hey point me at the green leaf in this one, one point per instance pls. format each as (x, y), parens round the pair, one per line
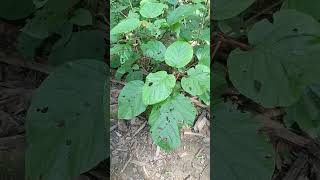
(125, 26)
(66, 131)
(205, 97)
(166, 120)
(130, 102)
(306, 112)
(93, 48)
(134, 75)
(179, 54)
(198, 80)
(283, 60)
(239, 152)
(203, 55)
(152, 10)
(183, 12)
(219, 83)
(39, 3)
(16, 9)
(158, 87)
(310, 7)
(154, 49)
(123, 51)
(226, 9)
(81, 17)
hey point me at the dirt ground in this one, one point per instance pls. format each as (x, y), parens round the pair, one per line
(135, 157)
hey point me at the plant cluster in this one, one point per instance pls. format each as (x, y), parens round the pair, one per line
(161, 49)
(274, 62)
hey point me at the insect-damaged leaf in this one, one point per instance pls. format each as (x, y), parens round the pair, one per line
(167, 118)
(66, 131)
(283, 61)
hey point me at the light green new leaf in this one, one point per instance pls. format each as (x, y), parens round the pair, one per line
(16, 9)
(179, 54)
(130, 102)
(239, 152)
(152, 10)
(226, 9)
(93, 48)
(158, 87)
(167, 118)
(154, 49)
(183, 12)
(306, 112)
(66, 131)
(198, 80)
(283, 60)
(125, 26)
(81, 17)
(310, 7)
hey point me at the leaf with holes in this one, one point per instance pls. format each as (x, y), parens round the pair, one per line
(198, 80)
(158, 87)
(167, 118)
(239, 152)
(130, 102)
(154, 49)
(66, 131)
(179, 54)
(283, 56)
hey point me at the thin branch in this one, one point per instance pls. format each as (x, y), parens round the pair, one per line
(233, 42)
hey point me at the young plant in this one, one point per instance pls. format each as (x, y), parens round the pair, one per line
(168, 42)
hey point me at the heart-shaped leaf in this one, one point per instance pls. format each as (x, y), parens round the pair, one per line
(179, 54)
(158, 87)
(154, 49)
(152, 9)
(283, 60)
(198, 80)
(125, 26)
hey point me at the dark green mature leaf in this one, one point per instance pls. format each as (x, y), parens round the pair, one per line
(66, 130)
(81, 17)
(152, 9)
(306, 112)
(158, 87)
(283, 60)
(130, 102)
(198, 80)
(179, 54)
(307, 6)
(154, 49)
(219, 83)
(28, 45)
(16, 9)
(93, 48)
(167, 118)
(225, 9)
(239, 152)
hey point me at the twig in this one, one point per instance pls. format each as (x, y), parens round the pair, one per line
(118, 82)
(125, 166)
(233, 42)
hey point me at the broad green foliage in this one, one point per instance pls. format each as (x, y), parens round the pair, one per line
(16, 9)
(154, 49)
(81, 17)
(306, 112)
(283, 56)
(219, 83)
(158, 87)
(27, 45)
(179, 54)
(198, 80)
(310, 7)
(130, 100)
(94, 48)
(152, 10)
(154, 42)
(239, 152)
(225, 9)
(66, 132)
(125, 26)
(168, 117)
